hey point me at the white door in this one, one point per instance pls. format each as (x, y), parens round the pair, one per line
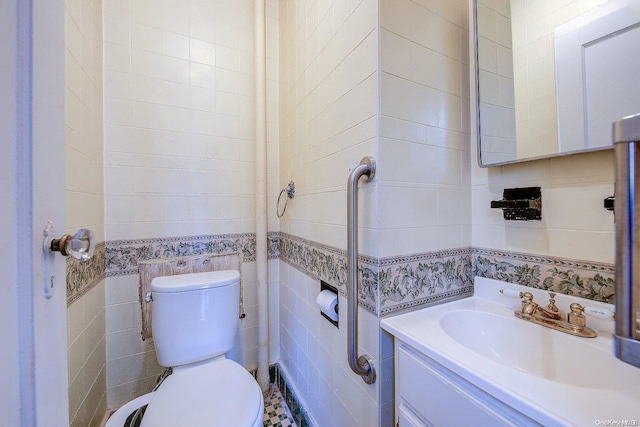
(33, 349)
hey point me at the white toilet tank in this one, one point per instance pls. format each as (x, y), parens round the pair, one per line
(195, 316)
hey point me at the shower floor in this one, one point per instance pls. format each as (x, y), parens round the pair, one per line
(276, 411)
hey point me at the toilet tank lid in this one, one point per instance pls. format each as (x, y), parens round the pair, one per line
(194, 281)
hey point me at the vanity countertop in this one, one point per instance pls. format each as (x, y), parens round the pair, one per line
(554, 378)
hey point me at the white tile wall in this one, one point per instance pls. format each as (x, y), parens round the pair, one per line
(86, 358)
(132, 368)
(400, 92)
(179, 156)
(574, 223)
(329, 120)
(424, 127)
(177, 120)
(84, 191)
(84, 117)
(314, 354)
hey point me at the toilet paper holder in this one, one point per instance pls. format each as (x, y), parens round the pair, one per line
(325, 286)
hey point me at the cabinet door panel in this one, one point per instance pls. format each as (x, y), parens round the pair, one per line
(442, 398)
(406, 418)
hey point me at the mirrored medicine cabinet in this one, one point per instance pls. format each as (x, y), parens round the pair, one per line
(552, 76)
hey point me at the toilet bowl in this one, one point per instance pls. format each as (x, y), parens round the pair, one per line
(121, 416)
(195, 318)
(214, 393)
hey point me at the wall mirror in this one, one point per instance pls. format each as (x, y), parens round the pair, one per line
(553, 76)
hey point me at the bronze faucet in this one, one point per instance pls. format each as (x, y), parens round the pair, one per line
(551, 312)
(552, 317)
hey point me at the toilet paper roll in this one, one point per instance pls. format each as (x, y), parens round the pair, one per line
(328, 303)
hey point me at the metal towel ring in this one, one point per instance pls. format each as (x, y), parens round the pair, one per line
(290, 190)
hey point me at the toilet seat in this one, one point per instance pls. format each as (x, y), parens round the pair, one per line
(213, 393)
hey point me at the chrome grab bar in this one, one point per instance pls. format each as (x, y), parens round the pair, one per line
(362, 365)
(626, 139)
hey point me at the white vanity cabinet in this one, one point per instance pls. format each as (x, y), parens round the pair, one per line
(428, 394)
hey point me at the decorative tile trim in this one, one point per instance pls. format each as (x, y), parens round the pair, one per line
(82, 276)
(122, 256)
(273, 245)
(590, 280)
(386, 285)
(328, 263)
(424, 279)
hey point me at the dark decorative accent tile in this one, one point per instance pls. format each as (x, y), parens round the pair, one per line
(594, 281)
(278, 401)
(296, 410)
(82, 276)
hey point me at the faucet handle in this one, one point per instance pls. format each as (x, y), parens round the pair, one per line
(526, 297)
(528, 306)
(511, 293)
(576, 308)
(576, 317)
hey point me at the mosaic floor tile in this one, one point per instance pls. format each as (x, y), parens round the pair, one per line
(276, 411)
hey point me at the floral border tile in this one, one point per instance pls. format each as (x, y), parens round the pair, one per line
(122, 256)
(594, 281)
(273, 244)
(328, 263)
(424, 279)
(82, 276)
(385, 285)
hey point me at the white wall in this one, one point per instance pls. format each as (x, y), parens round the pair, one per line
(391, 83)
(329, 106)
(179, 152)
(329, 120)
(574, 223)
(178, 118)
(424, 127)
(84, 191)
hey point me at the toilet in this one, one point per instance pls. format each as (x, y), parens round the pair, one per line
(194, 321)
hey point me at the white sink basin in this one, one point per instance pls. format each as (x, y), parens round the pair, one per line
(551, 377)
(534, 349)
